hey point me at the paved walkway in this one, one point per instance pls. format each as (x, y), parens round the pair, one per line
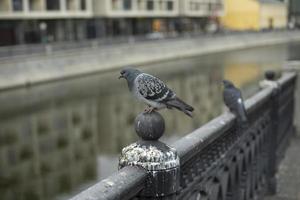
(288, 187)
(30, 70)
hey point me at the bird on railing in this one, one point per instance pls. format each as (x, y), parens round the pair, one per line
(233, 99)
(153, 92)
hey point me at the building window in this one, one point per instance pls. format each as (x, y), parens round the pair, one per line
(114, 4)
(140, 4)
(34, 5)
(127, 4)
(82, 4)
(161, 5)
(191, 6)
(4, 5)
(170, 5)
(52, 4)
(17, 5)
(150, 5)
(197, 6)
(31, 5)
(70, 4)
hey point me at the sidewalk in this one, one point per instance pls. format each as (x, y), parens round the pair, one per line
(288, 176)
(32, 70)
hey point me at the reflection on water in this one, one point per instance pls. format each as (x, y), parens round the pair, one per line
(57, 138)
(48, 152)
(234, 71)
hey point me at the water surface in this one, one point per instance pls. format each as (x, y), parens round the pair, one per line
(57, 138)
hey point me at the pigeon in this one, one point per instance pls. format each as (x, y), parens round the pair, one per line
(234, 101)
(153, 92)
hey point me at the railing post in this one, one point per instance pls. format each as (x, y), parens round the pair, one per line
(160, 160)
(273, 134)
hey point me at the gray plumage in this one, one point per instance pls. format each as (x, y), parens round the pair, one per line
(234, 101)
(153, 91)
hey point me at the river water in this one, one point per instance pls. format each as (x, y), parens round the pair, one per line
(58, 138)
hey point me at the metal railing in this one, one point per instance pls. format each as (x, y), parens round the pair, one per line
(221, 160)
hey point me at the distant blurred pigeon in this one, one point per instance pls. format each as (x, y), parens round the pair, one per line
(234, 101)
(153, 92)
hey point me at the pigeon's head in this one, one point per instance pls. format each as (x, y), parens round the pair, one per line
(129, 74)
(227, 84)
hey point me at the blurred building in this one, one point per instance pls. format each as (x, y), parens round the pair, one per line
(32, 21)
(35, 21)
(273, 14)
(132, 17)
(294, 12)
(201, 14)
(241, 14)
(255, 15)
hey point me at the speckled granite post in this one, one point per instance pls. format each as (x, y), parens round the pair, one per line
(160, 160)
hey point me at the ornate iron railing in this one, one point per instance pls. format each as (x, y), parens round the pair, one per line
(222, 160)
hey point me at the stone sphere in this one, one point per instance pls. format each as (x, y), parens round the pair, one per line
(149, 126)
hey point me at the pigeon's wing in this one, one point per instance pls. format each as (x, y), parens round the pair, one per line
(241, 108)
(234, 101)
(230, 98)
(152, 88)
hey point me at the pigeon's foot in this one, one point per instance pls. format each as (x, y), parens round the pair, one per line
(149, 109)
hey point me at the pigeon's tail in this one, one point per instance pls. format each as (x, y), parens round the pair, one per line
(242, 114)
(180, 105)
(244, 123)
(242, 119)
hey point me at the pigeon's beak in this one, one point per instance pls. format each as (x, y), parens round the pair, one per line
(121, 76)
